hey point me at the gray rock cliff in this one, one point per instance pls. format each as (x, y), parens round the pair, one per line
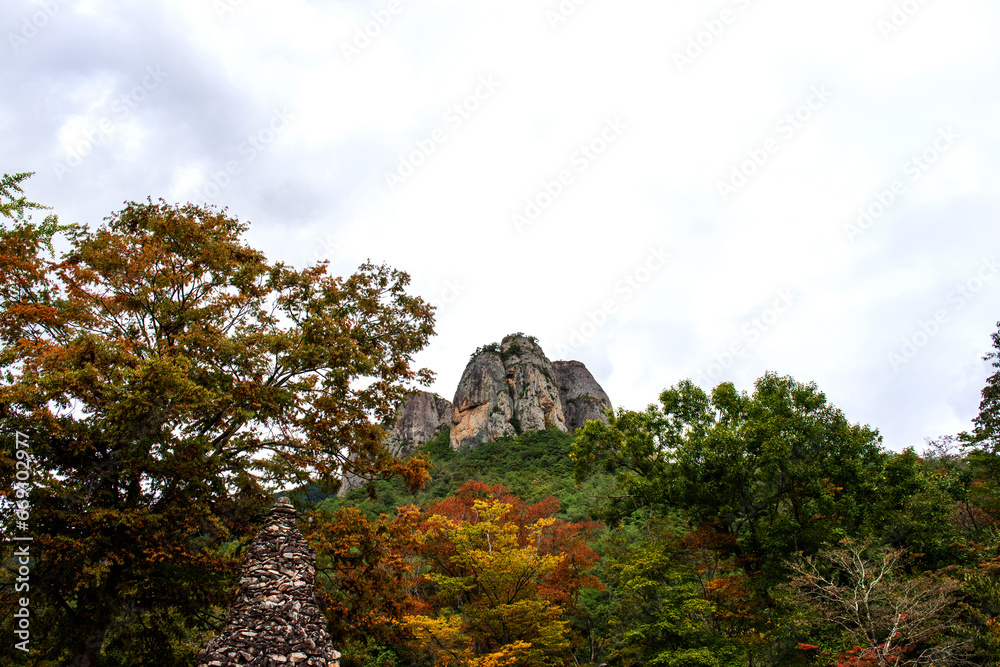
(582, 398)
(421, 417)
(482, 408)
(512, 387)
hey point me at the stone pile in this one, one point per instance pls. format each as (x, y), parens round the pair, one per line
(274, 621)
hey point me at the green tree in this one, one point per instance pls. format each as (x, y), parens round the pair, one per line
(16, 208)
(987, 423)
(168, 379)
(983, 511)
(663, 605)
(781, 470)
(983, 444)
(13, 202)
(933, 512)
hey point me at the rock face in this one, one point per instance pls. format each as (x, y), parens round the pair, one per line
(582, 398)
(274, 619)
(482, 405)
(422, 416)
(512, 387)
(506, 389)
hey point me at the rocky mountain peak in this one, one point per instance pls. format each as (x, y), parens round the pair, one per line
(582, 397)
(507, 388)
(512, 387)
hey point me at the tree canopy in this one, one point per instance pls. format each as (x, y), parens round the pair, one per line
(987, 423)
(169, 378)
(780, 469)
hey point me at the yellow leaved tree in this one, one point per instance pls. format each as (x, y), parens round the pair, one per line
(484, 603)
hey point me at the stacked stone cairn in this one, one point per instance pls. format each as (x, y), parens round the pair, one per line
(274, 621)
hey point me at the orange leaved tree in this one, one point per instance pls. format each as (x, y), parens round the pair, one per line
(168, 378)
(365, 568)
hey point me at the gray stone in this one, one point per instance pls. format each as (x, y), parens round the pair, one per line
(274, 616)
(422, 416)
(483, 406)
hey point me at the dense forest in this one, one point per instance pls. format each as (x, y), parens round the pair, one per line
(730, 529)
(162, 382)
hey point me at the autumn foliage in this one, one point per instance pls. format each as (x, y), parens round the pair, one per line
(365, 570)
(168, 378)
(480, 578)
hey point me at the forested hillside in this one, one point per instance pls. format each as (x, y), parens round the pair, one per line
(711, 529)
(533, 466)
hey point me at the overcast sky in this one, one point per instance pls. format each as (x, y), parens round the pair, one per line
(660, 189)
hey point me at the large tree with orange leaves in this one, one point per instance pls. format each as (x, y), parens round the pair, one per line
(168, 377)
